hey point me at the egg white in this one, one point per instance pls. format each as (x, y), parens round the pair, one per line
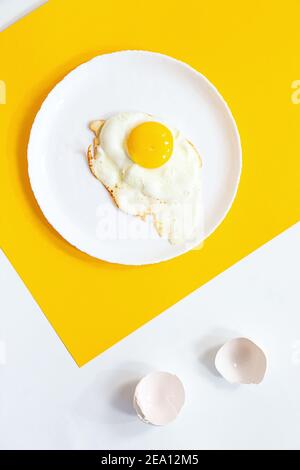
(170, 193)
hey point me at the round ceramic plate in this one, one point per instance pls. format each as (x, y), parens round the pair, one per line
(75, 202)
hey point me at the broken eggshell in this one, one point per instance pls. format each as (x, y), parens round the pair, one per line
(158, 398)
(241, 361)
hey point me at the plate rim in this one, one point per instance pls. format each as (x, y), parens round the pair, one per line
(34, 128)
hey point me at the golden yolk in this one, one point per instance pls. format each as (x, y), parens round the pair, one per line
(150, 144)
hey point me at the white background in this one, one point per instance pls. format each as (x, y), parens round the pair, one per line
(46, 401)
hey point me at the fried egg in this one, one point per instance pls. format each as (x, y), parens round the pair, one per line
(150, 169)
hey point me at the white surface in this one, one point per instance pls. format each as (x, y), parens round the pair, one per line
(75, 203)
(47, 402)
(13, 10)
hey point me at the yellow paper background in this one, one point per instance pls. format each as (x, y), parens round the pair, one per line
(249, 50)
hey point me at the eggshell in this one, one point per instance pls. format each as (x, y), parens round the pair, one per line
(158, 398)
(241, 361)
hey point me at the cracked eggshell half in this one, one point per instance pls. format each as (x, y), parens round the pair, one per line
(158, 398)
(241, 361)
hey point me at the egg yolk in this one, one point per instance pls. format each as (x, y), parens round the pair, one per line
(150, 144)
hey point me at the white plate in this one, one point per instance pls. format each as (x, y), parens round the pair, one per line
(77, 204)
